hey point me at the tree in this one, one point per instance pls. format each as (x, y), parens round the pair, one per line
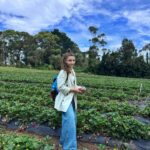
(65, 42)
(49, 43)
(21, 48)
(124, 62)
(110, 63)
(147, 48)
(128, 51)
(55, 60)
(93, 29)
(13, 45)
(96, 42)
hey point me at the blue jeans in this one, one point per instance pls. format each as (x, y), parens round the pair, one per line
(68, 138)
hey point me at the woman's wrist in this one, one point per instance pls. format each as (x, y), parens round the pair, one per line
(72, 89)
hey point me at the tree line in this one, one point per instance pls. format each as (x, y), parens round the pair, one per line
(124, 61)
(23, 49)
(46, 48)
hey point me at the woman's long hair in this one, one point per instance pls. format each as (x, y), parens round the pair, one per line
(64, 65)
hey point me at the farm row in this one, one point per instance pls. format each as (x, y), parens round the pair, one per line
(105, 108)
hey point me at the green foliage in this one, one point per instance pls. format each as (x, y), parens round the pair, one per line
(124, 62)
(97, 41)
(65, 42)
(20, 48)
(102, 147)
(24, 142)
(146, 111)
(55, 60)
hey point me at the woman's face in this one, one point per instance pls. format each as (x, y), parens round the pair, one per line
(70, 61)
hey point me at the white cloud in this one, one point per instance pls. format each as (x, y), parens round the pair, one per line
(34, 15)
(114, 42)
(139, 20)
(115, 46)
(140, 17)
(144, 42)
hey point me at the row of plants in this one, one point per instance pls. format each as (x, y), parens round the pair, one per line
(26, 113)
(111, 124)
(37, 100)
(25, 75)
(102, 82)
(146, 111)
(89, 121)
(24, 142)
(100, 106)
(96, 93)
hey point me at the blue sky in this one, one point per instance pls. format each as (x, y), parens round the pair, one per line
(118, 19)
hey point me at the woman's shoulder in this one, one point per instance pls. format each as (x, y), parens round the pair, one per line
(62, 71)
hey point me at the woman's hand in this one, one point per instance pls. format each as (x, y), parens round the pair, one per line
(82, 88)
(76, 90)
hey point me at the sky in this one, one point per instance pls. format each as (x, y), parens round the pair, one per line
(118, 19)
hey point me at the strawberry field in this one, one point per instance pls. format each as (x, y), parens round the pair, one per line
(112, 106)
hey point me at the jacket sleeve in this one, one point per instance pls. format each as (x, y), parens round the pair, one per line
(62, 76)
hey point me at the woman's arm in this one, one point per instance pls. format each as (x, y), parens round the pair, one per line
(61, 84)
(75, 90)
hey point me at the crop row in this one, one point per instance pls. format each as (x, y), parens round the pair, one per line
(24, 142)
(89, 121)
(96, 93)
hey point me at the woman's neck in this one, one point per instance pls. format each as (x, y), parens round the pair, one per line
(70, 69)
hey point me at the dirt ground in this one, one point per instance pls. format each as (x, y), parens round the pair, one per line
(81, 145)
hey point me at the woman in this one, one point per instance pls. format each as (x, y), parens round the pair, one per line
(66, 101)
